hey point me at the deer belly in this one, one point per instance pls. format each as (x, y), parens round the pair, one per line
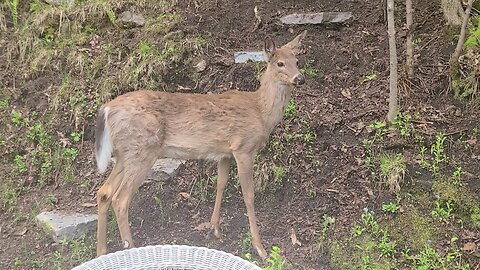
(194, 153)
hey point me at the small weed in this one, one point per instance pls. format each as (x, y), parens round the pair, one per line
(4, 103)
(380, 129)
(20, 164)
(456, 176)
(275, 261)
(328, 222)
(17, 118)
(85, 185)
(18, 262)
(159, 203)
(308, 69)
(146, 50)
(423, 161)
(437, 150)
(442, 211)
(51, 200)
(278, 174)
(417, 40)
(13, 6)
(70, 153)
(390, 208)
(402, 123)
(290, 110)
(392, 169)
(386, 247)
(76, 136)
(8, 196)
(370, 77)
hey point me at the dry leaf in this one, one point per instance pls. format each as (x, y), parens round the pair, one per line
(185, 195)
(469, 247)
(202, 226)
(293, 236)
(346, 94)
(20, 233)
(88, 205)
(472, 141)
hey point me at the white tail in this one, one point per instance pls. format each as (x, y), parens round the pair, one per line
(103, 144)
(142, 126)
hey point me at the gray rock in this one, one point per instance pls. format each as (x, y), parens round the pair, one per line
(201, 65)
(67, 3)
(130, 20)
(316, 18)
(242, 57)
(66, 226)
(164, 169)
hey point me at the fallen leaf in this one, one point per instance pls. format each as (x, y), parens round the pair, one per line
(469, 247)
(346, 93)
(202, 226)
(185, 195)
(88, 205)
(293, 236)
(472, 141)
(196, 216)
(20, 233)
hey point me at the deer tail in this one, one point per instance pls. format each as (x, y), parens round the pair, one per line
(103, 142)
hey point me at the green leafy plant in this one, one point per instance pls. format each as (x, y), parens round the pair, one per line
(402, 122)
(390, 208)
(370, 77)
(308, 69)
(328, 222)
(380, 129)
(13, 6)
(438, 152)
(290, 110)
(17, 118)
(274, 260)
(20, 164)
(442, 211)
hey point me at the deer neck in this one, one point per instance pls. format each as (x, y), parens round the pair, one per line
(273, 98)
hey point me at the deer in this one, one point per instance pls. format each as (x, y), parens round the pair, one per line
(141, 126)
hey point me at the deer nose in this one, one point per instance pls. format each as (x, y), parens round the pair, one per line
(299, 79)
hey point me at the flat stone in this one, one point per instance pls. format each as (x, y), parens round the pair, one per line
(242, 57)
(66, 226)
(164, 169)
(316, 18)
(130, 20)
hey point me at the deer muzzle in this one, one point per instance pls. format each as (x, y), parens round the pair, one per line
(299, 79)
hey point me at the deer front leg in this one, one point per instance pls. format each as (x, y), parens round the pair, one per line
(245, 173)
(223, 170)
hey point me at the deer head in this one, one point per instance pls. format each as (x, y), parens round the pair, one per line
(283, 61)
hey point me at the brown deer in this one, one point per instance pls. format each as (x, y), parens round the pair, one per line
(142, 126)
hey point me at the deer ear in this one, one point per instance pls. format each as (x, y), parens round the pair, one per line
(269, 47)
(296, 42)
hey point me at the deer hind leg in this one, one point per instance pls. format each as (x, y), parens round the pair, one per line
(104, 200)
(223, 170)
(133, 177)
(245, 173)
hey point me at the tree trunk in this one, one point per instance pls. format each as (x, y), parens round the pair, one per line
(452, 12)
(461, 39)
(393, 96)
(409, 60)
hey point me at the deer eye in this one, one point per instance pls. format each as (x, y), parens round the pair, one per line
(280, 64)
